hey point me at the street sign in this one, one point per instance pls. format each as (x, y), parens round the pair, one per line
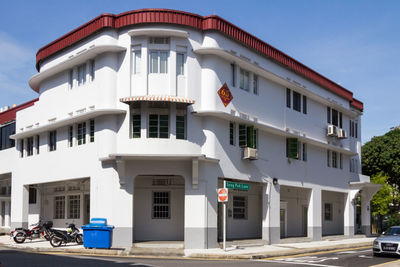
(222, 195)
(239, 186)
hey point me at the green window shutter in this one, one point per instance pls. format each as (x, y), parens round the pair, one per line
(242, 135)
(293, 148)
(250, 136)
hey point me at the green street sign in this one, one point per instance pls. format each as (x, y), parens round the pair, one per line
(237, 186)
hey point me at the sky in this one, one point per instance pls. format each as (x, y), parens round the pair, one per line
(354, 43)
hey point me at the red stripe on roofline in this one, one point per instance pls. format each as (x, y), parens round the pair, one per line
(168, 16)
(357, 104)
(10, 114)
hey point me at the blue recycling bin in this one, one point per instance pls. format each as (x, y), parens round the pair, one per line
(97, 234)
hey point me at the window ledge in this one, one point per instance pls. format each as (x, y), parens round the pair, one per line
(158, 32)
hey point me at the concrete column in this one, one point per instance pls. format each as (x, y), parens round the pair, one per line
(145, 65)
(172, 120)
(365, 213)
(7, 213)
(1, 214)
(314, 216)
(349, 213)
(271, 213)
(201, 210)
(144, 110)
(19, 205)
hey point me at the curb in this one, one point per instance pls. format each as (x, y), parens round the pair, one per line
(204, 256)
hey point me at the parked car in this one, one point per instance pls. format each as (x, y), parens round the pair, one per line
(388, 242)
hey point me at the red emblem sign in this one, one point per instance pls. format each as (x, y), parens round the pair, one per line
(225, 94)
(222, 195)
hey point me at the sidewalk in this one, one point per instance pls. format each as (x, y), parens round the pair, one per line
(244, 251)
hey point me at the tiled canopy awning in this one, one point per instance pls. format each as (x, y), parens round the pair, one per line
(157, 98)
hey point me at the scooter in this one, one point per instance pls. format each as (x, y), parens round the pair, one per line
(36, 231)
(60, 237)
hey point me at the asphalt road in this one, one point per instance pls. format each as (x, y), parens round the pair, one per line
(360, 257)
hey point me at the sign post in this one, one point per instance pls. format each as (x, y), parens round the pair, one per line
(223, 197)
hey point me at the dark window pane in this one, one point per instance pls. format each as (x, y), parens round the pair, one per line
(304, 104)
(296, 101)
(288, 98)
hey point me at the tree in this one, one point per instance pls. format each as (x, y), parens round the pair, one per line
(382, 155)
(380, 203)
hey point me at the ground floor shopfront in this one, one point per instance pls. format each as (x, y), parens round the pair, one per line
(149, 200)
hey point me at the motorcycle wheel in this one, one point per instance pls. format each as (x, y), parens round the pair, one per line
(79, 239)
(19, 238)
(55, 241)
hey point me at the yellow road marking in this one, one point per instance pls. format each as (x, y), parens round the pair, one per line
(315, 253)
(381, 264)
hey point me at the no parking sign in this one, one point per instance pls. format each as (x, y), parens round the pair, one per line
(222, 195)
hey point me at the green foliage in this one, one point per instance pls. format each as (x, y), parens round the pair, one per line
(382, 154)
(384, 197)
(393, 220)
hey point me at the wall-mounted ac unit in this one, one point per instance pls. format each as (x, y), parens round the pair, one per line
(342, 134)
(332, 130)
(250, 153)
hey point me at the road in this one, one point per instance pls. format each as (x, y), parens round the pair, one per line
(354, 258)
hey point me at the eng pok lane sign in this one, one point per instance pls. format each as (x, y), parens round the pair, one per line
(222, 195)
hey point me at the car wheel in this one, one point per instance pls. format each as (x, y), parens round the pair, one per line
(376, 254)
(55, 241)
(19, 238)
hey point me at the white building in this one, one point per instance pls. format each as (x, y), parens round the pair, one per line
(130, 126)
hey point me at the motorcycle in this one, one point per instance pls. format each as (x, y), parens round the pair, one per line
(36, 231)
(71, 235)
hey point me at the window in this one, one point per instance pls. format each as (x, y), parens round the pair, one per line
(161, 209)
(233, 72)
(304, 104)
(71, 79)
(91, 131)
(158, 126)
(232, 127)
(70, 136)
(37, 144)
(159, 40)
(239, 207)
(5, 132)
(59, 207)
(82, 74)
(81, 135)
(32, 195)
(353, 129)
(180, 64)
(292, 148)
(180, 127)
(255, 84)
(353, 165)
(137, 60)
(136, 125)
(29, 146)
(334, 117)
(74, 207)
(52, 141)
(334, 159)
(288, 98)
(158, 62)
(247, 136)
(92, 70)
(296, 101)
(328, 211)
(244, 79)
(304, 152)
(21, 148)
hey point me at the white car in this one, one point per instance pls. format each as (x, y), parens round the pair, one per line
(388, 242)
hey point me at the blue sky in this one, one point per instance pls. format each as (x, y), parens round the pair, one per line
(354, 43)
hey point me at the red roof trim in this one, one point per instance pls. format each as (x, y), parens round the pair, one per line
(355, 103)
(11, 114)
(169, 16)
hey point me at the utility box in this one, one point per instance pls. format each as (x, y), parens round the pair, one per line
(97, 234)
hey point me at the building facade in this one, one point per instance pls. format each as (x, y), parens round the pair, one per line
(141, 116)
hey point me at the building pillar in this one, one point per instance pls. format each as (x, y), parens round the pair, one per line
(271, 213)
(19, 205)
(349, 212)
(1, 214)
(172, 120)
(7, 214)
(200, 217)
(314, 215)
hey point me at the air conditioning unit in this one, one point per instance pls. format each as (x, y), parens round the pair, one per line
(250, 153)
(332, 130)
(342, 134)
